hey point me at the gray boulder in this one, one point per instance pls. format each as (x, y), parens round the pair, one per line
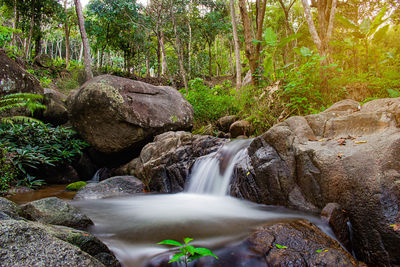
(53, 210)
(115, 114)
(28, 244)
(9, 210)
(346, 155)
(112, 187)
(14, 79)
(56, 111)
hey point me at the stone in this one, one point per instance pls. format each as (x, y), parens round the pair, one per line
(291, 243)
(112, 187)
(43, 61)
(164, 164)
(53, 210)
(56, 111)
(27, 244)
(225, 122)
(9, 210)
(14, 79)
(303, 163)
(239, 128)
(339, 222)
(115, 114)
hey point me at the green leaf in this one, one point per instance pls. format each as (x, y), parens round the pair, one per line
(381, 33)
(170, 242)
(280, 246)
(187, 240)
(346, 22)
(177, 257)
(205, 252)
(393, 93)
(365, 26)
(270, 37)
(190, 249)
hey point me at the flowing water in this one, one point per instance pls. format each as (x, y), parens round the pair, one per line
(132, 226)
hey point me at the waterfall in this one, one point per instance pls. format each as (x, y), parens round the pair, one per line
(212, 174)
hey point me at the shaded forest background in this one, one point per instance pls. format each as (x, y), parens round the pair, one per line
(262, 60)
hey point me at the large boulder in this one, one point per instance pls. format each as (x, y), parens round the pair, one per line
(115, 114)
(346, 155)
(56, 111)
(164, 164)
(9, 210)
(53, 210)
(29, 244)
(112, 187)
(14, 79)
(292, 243)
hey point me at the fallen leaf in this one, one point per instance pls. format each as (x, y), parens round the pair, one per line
(280, 246)
(396, 227)
(248, 173)
(339, 155)
(321, 250)
(360, 142)
(321, 140)
(341, 141)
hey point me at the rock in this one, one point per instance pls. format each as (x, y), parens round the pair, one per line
(28, 244)
(292, 243)
(14, 79)
(164, 164)
(9, 210)
(64, 174)
(224, 123)
(43, 61)
(112, 187)
(85, 241)
(239, 128)
(53, 210)
(116, 114)
(338, 221)
(56, 111)
(343, 155)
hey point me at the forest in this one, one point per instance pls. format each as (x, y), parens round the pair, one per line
(283, 57)
(199, 133)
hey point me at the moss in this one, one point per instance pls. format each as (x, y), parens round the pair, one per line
(76, 186)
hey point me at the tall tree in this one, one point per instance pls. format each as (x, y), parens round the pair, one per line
(85, 42)
(236, 44)
(326, 16)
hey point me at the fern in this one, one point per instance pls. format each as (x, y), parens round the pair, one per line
(20, 100)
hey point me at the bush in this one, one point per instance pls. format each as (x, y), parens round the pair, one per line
(7, 171)
(31, 145)
(209, 104)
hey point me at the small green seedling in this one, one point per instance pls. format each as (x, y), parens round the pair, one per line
(188, 252)
(280, 246)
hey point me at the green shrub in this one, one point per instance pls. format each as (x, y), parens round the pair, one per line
(32, 145)
(209, 104)
(7, 171)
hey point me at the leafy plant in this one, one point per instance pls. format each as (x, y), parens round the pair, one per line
(7, 171)
(19, 100)
(31, 182)
(187, 252)
(393, 93)
(32, 145)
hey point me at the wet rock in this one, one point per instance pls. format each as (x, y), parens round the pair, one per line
(224, 123)
(8, 210)
(164, 164)
(338, 221)
(115, 114)
(303, 163)
(112, 187)
(291, 243)
(53, 210)
(14, 79)
(56, 111)
(29, 244)
(43, 61)
(239, 128)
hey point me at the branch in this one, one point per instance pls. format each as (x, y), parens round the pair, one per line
(331, 19)
(311, 26)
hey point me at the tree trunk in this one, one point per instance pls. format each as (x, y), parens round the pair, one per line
(180, 57)
(85, 42)
(28, 45)
(158, 55)
(164, 65)
(15, 23)
(236, 43)
(66, 30)
(209, 60)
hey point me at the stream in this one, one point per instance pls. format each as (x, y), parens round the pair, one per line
(132, 226)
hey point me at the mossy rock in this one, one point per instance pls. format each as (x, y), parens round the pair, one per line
(76, 186)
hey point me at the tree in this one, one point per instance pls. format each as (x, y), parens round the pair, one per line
(236, 44)
(85, 42)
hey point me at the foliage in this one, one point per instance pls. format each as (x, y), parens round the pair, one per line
(31, 145)
(76, 186)
(7, 171)
(209, 104)
(188, 252)
(19, 100)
